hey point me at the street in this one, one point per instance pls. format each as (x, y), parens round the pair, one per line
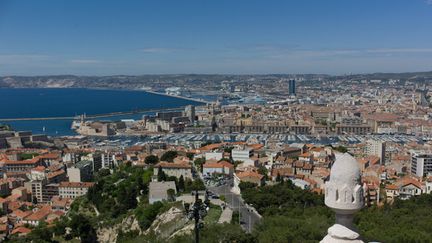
(248, 217)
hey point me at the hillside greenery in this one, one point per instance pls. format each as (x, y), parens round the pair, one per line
(290, 214)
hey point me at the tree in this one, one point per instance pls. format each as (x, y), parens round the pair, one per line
(228, 149)
(146, 215)
(151, 159)
(82, 228)
(263, 171)
(161, 174)
(190, 155)
(197, 184)
(171, 195)
(247, 185)
(169, 156)
(41, 233)
(237, 162)
(341, 149)
(278, 177)
(199, 163)
(181, 184)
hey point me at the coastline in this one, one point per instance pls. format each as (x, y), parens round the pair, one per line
(177, 96)
(112, 89)
(102, 115)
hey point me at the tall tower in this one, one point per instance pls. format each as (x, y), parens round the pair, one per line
(344, 195)
(377, 148)
(292, 87)
(190, 113)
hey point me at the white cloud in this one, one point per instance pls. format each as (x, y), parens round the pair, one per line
(428, 2)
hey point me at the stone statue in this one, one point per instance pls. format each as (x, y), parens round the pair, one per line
(344, 195)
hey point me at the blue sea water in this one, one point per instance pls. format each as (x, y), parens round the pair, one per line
(57, 102)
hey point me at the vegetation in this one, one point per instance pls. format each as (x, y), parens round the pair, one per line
(213, 214)
(190, 155)
(290, 214)
(151, 159)
(199, 163)
(25, 156)
(244, 185)
(341, 149)
(169, 156)
(403, 221)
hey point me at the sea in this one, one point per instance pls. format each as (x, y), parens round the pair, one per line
(67, 102)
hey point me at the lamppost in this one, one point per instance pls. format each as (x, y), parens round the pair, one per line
(198, 212)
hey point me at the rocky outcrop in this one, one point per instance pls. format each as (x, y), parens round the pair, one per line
(109, 234)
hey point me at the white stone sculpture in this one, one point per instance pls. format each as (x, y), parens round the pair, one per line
(344, 195)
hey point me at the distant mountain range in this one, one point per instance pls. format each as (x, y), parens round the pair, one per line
(163, 81)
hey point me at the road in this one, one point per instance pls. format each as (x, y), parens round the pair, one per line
(248, 217)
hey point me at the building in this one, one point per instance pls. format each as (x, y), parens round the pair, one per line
(247, 176)
(174, 169)
(214, 155)
(221, 168)
(158, 191)
(80, 172)
(421, 163)
(107, 160)
(376, 148)
(292, 87)
(243, 155)
(361, 129)
(73, 189)
(190, 113)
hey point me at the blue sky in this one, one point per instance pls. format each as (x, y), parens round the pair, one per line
(103, 37)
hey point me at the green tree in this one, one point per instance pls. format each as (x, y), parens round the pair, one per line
(171, 195)
(82, 228)
(181, 184)
(161, 174)
(190, 155)
(278, 177)
(151, 160)
(341, 149)
(199, 163)
(263, 171)
(169, 156)
(147, 214)
(41, 233)
(247, 185)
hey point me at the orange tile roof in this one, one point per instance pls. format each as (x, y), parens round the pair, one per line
(392, 187)
(49, 156)
(307, 154)
(39, 168)
(221, 164)
(21, 214)
(210, 147)
(21, 230)
(76, 184)
(55, 173)
(245, 174)
(164, 164)
(283, 172)
(39, 214)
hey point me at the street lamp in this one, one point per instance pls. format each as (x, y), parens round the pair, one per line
(198, 212)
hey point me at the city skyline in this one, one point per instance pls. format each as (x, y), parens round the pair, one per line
(244, 37)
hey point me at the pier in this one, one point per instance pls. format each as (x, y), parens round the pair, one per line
(95, 116)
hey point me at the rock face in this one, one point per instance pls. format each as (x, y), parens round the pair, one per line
(344, 195)
(107, 235)
(168, 222)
